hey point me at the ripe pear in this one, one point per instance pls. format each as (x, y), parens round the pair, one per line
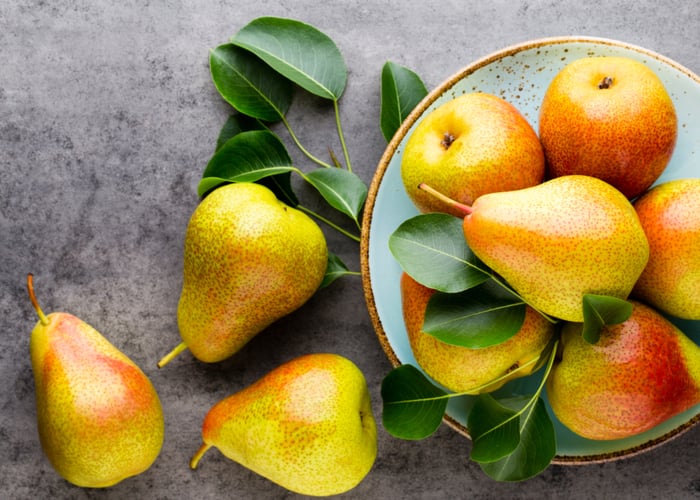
(99, 417)
(670, 216)
(559, 240)
(474, 144)
(472, 371)
(249, 260)
(307, 425)
(611, 118)
(640, 373)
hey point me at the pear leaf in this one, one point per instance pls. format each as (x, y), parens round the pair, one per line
(298, 51)
(235, 124)
(246, 157)
(601, 310)
(413, 407)
(536, 448)
(494, 429)
(342, 189)
(248, 84)
(401, 91)
(335, 269)
(480, 317)
(432, 250)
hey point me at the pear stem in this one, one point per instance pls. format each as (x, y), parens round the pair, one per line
(32, 297)
(466, 209)
(198, 455)
(169, 357)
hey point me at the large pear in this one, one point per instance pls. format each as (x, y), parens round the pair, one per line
(306, 425)
(249, 260)
(99, 417)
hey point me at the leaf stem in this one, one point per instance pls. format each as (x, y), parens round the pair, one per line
(301, 147)
(340, 134)
(330, 223)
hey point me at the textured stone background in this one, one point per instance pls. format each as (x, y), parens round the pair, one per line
(107, 118)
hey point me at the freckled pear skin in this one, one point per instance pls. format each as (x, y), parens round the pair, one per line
(622, 130)
(559, 240)
(460, 369)
(474, 144)
(640, 373)
(307, 426)
(249, 260)
(98, 415)
(670, 216)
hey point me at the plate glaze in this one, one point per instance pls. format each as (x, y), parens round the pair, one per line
(519, 74)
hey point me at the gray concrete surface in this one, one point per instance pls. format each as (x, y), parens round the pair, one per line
(107, 118)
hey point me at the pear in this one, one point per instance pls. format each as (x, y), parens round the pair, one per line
(559, 240)
(249, 260)
(307, 425)
(472, 371)
(640, 373)
(99, 417)
(670, 216)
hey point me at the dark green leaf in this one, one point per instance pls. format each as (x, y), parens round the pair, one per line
(281, 185)
(480, 317)
(402, 90)
(494, 429)
(432, 250)
(343, 190)
(536, 449)
(298, 51)
(412, 406)
(236, 124)
(247, 157)
(335, 269)
(248, 84)
(601, 310)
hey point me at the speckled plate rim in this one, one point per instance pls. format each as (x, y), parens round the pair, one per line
(383, 165)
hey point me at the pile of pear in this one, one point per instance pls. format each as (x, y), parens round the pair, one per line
(575, 208)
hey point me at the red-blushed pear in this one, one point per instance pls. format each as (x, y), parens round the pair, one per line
(307, 425)
(639, 374)
(670, 216)
(474, 144)
(558, 241)
(99, 417)
(611, 118)
(472, 371)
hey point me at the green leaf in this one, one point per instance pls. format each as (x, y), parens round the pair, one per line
(335, 269)
(536, 449)
(248, 84)
(402, 90)
(480, 317)
(432, 250)
(601, 310)
(413, 407)
(298, 51)
(343, 190)
(236, 124)
(494, 429)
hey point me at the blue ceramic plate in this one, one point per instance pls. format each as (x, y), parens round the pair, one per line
(520, 74)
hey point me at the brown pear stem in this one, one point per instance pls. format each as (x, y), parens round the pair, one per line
(32, 297)
(198, 455)
(466, 209)
(169, 357)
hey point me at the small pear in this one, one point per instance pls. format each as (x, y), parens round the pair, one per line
(559, 240)
(249, 260)
(306, 425)
(670, 216)
(99, 418)
(472, 371)
(640, 373)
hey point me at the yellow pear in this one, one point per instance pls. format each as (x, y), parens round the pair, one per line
(307, 425)
(474, 144)
(472, 371)
(249, 260)
(670, 216)
(99, 418)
